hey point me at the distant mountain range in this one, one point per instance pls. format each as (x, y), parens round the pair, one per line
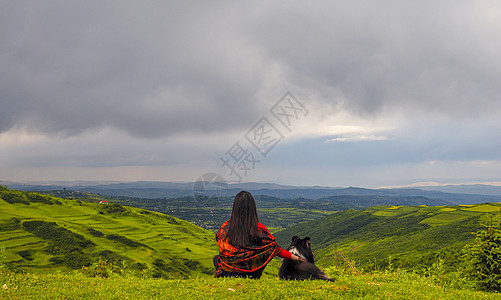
(461, 194)
(481, 189)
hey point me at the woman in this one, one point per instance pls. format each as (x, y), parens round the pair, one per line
(245, 245)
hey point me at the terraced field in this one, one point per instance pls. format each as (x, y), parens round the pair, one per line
(412, 237)
(170, 247)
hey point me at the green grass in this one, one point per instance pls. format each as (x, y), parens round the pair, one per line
(41, 236)
(379, 286)
(484, 208)
(445, 218)
(414, 236)
(128, 234)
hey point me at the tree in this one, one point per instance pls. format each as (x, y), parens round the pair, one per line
(484, 257)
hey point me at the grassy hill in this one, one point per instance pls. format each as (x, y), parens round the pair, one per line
(41, 233)
(137, 254)
(368, 286)
(407, 236)
(276, 213)
(44, 232)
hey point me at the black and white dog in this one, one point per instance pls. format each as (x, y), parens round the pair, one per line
(297, 270)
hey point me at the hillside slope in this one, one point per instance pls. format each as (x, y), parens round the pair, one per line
(42, 233)
(413, 236)
(276, 213)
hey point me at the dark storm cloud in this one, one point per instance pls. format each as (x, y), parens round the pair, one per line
(150, 70)
(438, 56)
(162, 68)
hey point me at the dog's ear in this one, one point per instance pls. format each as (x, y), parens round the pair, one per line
(307, 242)
(294, 238)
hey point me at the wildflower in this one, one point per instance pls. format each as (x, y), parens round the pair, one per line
(5, 286)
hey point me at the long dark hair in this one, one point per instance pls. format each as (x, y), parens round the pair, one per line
(243, 222)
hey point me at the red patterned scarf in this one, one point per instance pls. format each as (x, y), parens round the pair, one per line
(247, 259)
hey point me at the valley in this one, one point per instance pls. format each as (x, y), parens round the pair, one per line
(173, 238)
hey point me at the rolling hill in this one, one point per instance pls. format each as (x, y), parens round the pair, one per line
(413, 236)
(39, 233)
(43, 232)
(276, 213)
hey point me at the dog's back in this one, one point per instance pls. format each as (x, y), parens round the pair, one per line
(297, 270)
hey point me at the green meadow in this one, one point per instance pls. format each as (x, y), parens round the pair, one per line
(48, 234)
(384, 285)
(410, 237)
(72, 249)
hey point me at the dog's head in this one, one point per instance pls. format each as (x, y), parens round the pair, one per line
(302, 248)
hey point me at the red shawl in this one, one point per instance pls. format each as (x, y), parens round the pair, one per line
(247, 259)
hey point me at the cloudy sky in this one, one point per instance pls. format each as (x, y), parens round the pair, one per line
(381, 93)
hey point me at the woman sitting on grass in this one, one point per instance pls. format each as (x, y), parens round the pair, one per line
(245, 245)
